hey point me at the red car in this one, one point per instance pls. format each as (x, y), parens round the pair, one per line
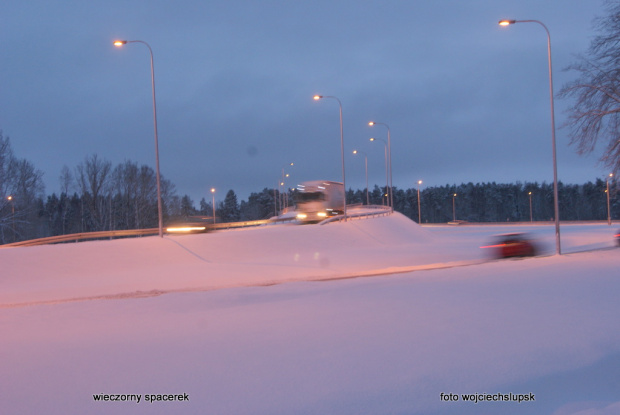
(512, 245)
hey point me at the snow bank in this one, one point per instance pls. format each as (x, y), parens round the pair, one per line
(546, 326)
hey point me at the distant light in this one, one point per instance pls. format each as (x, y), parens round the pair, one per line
(371, 123)
(119, 42)
(302, 216)
(213, 190)
(322, 214)
(317, 97)
(186, 229)
(354, 151)
(419, 181)
(506, 22)
(372, 139)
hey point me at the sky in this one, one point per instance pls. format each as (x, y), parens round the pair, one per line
(465, 99)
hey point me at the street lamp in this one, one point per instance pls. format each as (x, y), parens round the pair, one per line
(386, 161)
(10, 199)
(454, 207)
(389, 144)
(344, 186)
(366, 164)
(555, 167)
(531, 217)
(608, 205)
(419, 205)
(213, 202)
(120, 43)
(283, 199)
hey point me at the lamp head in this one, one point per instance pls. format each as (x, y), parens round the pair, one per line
(371, 123)
(119, 43)
(317, 97)
(506, 22)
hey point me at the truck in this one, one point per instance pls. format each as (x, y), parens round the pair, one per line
(319, 199)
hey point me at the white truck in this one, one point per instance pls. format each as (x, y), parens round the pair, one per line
(319, 199)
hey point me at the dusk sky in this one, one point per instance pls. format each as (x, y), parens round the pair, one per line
(465, 99)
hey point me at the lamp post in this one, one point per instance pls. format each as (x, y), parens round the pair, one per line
(120, 43)
(284, 199)
(213, 202)
(344, 185)
(454, 207)
(531, 217)
(366, 164)
(10, 199)
(386, 161)
(389, 146)
(556, 208)
(608, 205)
(419, 205)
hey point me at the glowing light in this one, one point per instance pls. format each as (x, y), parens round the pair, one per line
(119, 43)
(506, 22)
(186, 229)
(317, 97)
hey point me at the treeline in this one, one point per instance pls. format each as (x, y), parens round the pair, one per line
(97, 196)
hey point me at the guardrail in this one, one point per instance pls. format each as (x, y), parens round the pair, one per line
(83, 236)
(380, 211)
(75, 237)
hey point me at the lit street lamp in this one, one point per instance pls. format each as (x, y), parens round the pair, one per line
(213, 202)
(454, 207)
(555, 168)
(366, 164)
(386, 162)
(10, 199)
(419, 205)
(120, 43)
(608, 205)
(284, 199)
(389, 146)
(531, 218)
(344, 185)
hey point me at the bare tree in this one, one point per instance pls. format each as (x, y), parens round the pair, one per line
(94, 183)
(20, 187)
(595, 115)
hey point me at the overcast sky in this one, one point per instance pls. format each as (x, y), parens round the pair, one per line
(465, 99)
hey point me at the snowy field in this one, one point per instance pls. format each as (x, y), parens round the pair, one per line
(374, 316)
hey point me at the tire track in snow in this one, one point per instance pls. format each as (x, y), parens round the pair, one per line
(156, 293)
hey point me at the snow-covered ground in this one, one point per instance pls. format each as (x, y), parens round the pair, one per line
(372, 316)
